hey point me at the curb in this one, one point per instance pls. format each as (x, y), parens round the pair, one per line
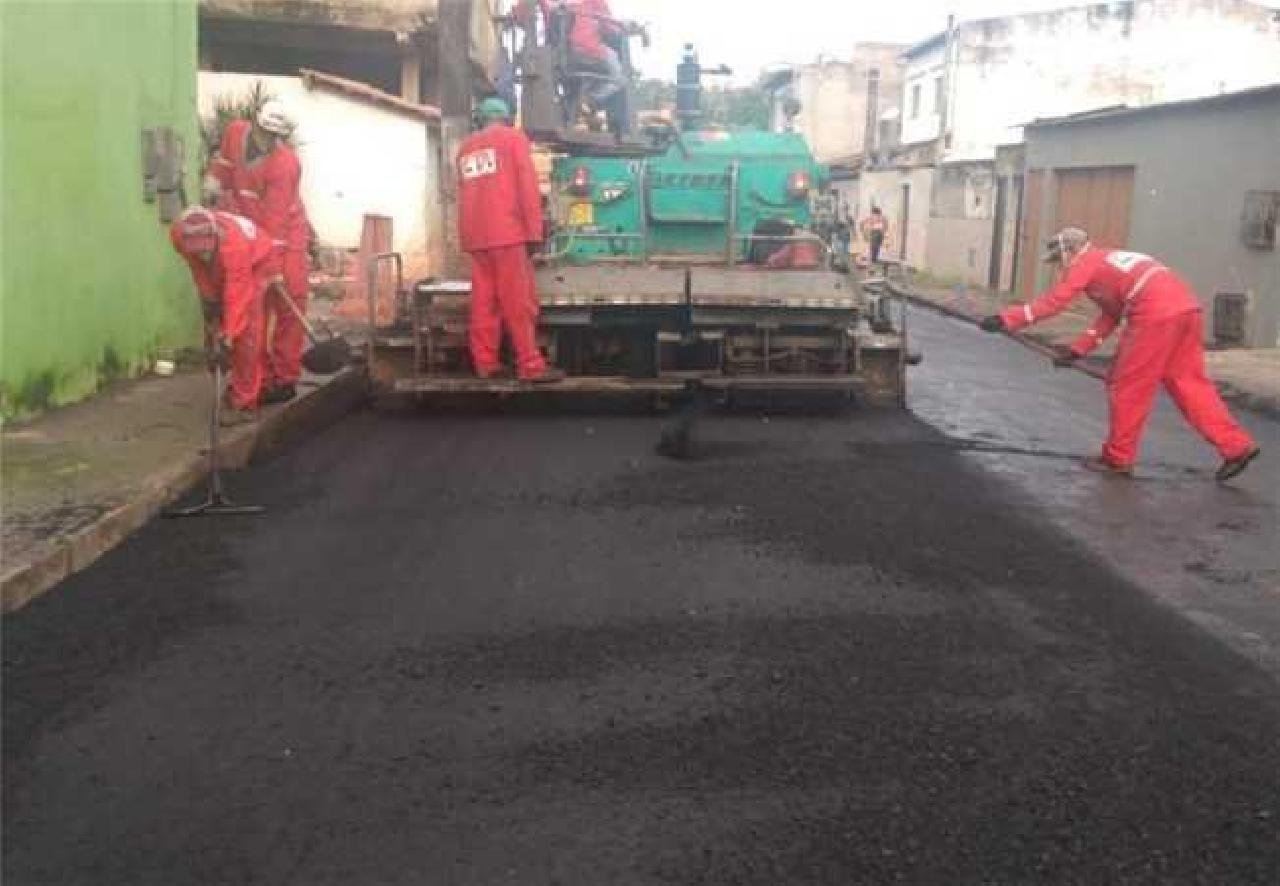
(61, 557)
(1266, 406)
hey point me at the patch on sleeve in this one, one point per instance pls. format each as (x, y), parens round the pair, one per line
(479, 163)
(1126, 261)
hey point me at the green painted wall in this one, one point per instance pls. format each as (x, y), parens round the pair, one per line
(89, 287)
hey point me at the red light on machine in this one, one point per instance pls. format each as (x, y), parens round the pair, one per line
(580, 184)
(798, 185)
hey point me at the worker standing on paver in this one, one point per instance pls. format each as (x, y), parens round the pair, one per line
(500, 227)
(230, 260)
(257, 174)
(594, 29)
(1161, 343)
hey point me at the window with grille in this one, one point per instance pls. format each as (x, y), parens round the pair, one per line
(1258, 220)
(1230, 310)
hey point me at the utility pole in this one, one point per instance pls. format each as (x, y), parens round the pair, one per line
(949, 49)
(454, 52)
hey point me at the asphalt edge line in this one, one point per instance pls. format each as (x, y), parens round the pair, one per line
(58, 559)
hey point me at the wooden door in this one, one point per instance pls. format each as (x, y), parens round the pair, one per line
(1029, 234)
(1098, 200)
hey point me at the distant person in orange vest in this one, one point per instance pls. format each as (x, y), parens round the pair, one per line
(1161, 345)
(500, 227)
(874, 228)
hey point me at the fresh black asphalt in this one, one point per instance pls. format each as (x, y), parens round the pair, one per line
(478, 648)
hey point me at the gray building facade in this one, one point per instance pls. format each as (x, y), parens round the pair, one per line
(1194, 183)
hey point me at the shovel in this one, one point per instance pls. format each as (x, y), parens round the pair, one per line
(327, 355)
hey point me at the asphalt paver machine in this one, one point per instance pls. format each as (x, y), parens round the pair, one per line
(679, 255)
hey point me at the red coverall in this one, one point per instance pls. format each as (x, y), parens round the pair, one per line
(1161, 343)
(499, 212)
(266, 190)
(235, 279)
(591, 19)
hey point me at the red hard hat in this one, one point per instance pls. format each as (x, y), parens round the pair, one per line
(196, 230)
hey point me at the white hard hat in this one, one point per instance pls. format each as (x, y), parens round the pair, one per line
(272, 117)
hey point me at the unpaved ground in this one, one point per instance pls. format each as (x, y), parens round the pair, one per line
(484, 649)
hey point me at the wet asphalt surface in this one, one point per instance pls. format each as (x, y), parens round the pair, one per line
(832, 649)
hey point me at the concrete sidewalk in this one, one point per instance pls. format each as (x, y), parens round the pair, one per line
(1249, 377)
(77, 481)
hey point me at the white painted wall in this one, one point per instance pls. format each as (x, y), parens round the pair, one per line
(833, 98)
(920, 119)
(1012, 70)
(883, 188)
(356, 159)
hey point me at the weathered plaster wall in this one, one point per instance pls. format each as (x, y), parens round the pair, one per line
(884, 188)
(1010, 71)
(356, 159)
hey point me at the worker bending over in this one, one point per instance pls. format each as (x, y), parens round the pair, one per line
(258, 175)
(500, 227)
(230, 260)
(1160, 344)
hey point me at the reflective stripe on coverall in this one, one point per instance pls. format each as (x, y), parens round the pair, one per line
(499, 211)
(1161, 344)
(236, 278)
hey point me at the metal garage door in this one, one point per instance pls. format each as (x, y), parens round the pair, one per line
(1098, 199)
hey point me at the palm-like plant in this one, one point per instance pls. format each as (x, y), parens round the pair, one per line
(229, 107)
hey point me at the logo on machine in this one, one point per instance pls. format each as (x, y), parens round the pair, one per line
(479, 163)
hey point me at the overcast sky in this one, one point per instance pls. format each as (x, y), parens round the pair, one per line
(749, 35)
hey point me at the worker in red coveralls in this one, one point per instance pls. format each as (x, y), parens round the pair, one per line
(1161, 344)
(230, 260)
(594, 28)
(500, 227)
(257, 174)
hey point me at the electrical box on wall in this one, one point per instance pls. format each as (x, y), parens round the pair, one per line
(163, 171)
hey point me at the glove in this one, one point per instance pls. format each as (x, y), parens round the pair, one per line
(220, 354)
(1064, 357)
(991, 323)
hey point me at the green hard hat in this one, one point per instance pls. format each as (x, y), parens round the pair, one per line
(494, 108)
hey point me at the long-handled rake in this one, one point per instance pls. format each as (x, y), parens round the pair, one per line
(216, 502)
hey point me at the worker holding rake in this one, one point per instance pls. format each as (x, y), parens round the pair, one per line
(230, 261)
(1161, 344)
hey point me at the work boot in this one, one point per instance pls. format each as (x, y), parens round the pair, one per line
(232, 417)
(278, 394)
(1232, 467)
(548, 376)
(1102, 465)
